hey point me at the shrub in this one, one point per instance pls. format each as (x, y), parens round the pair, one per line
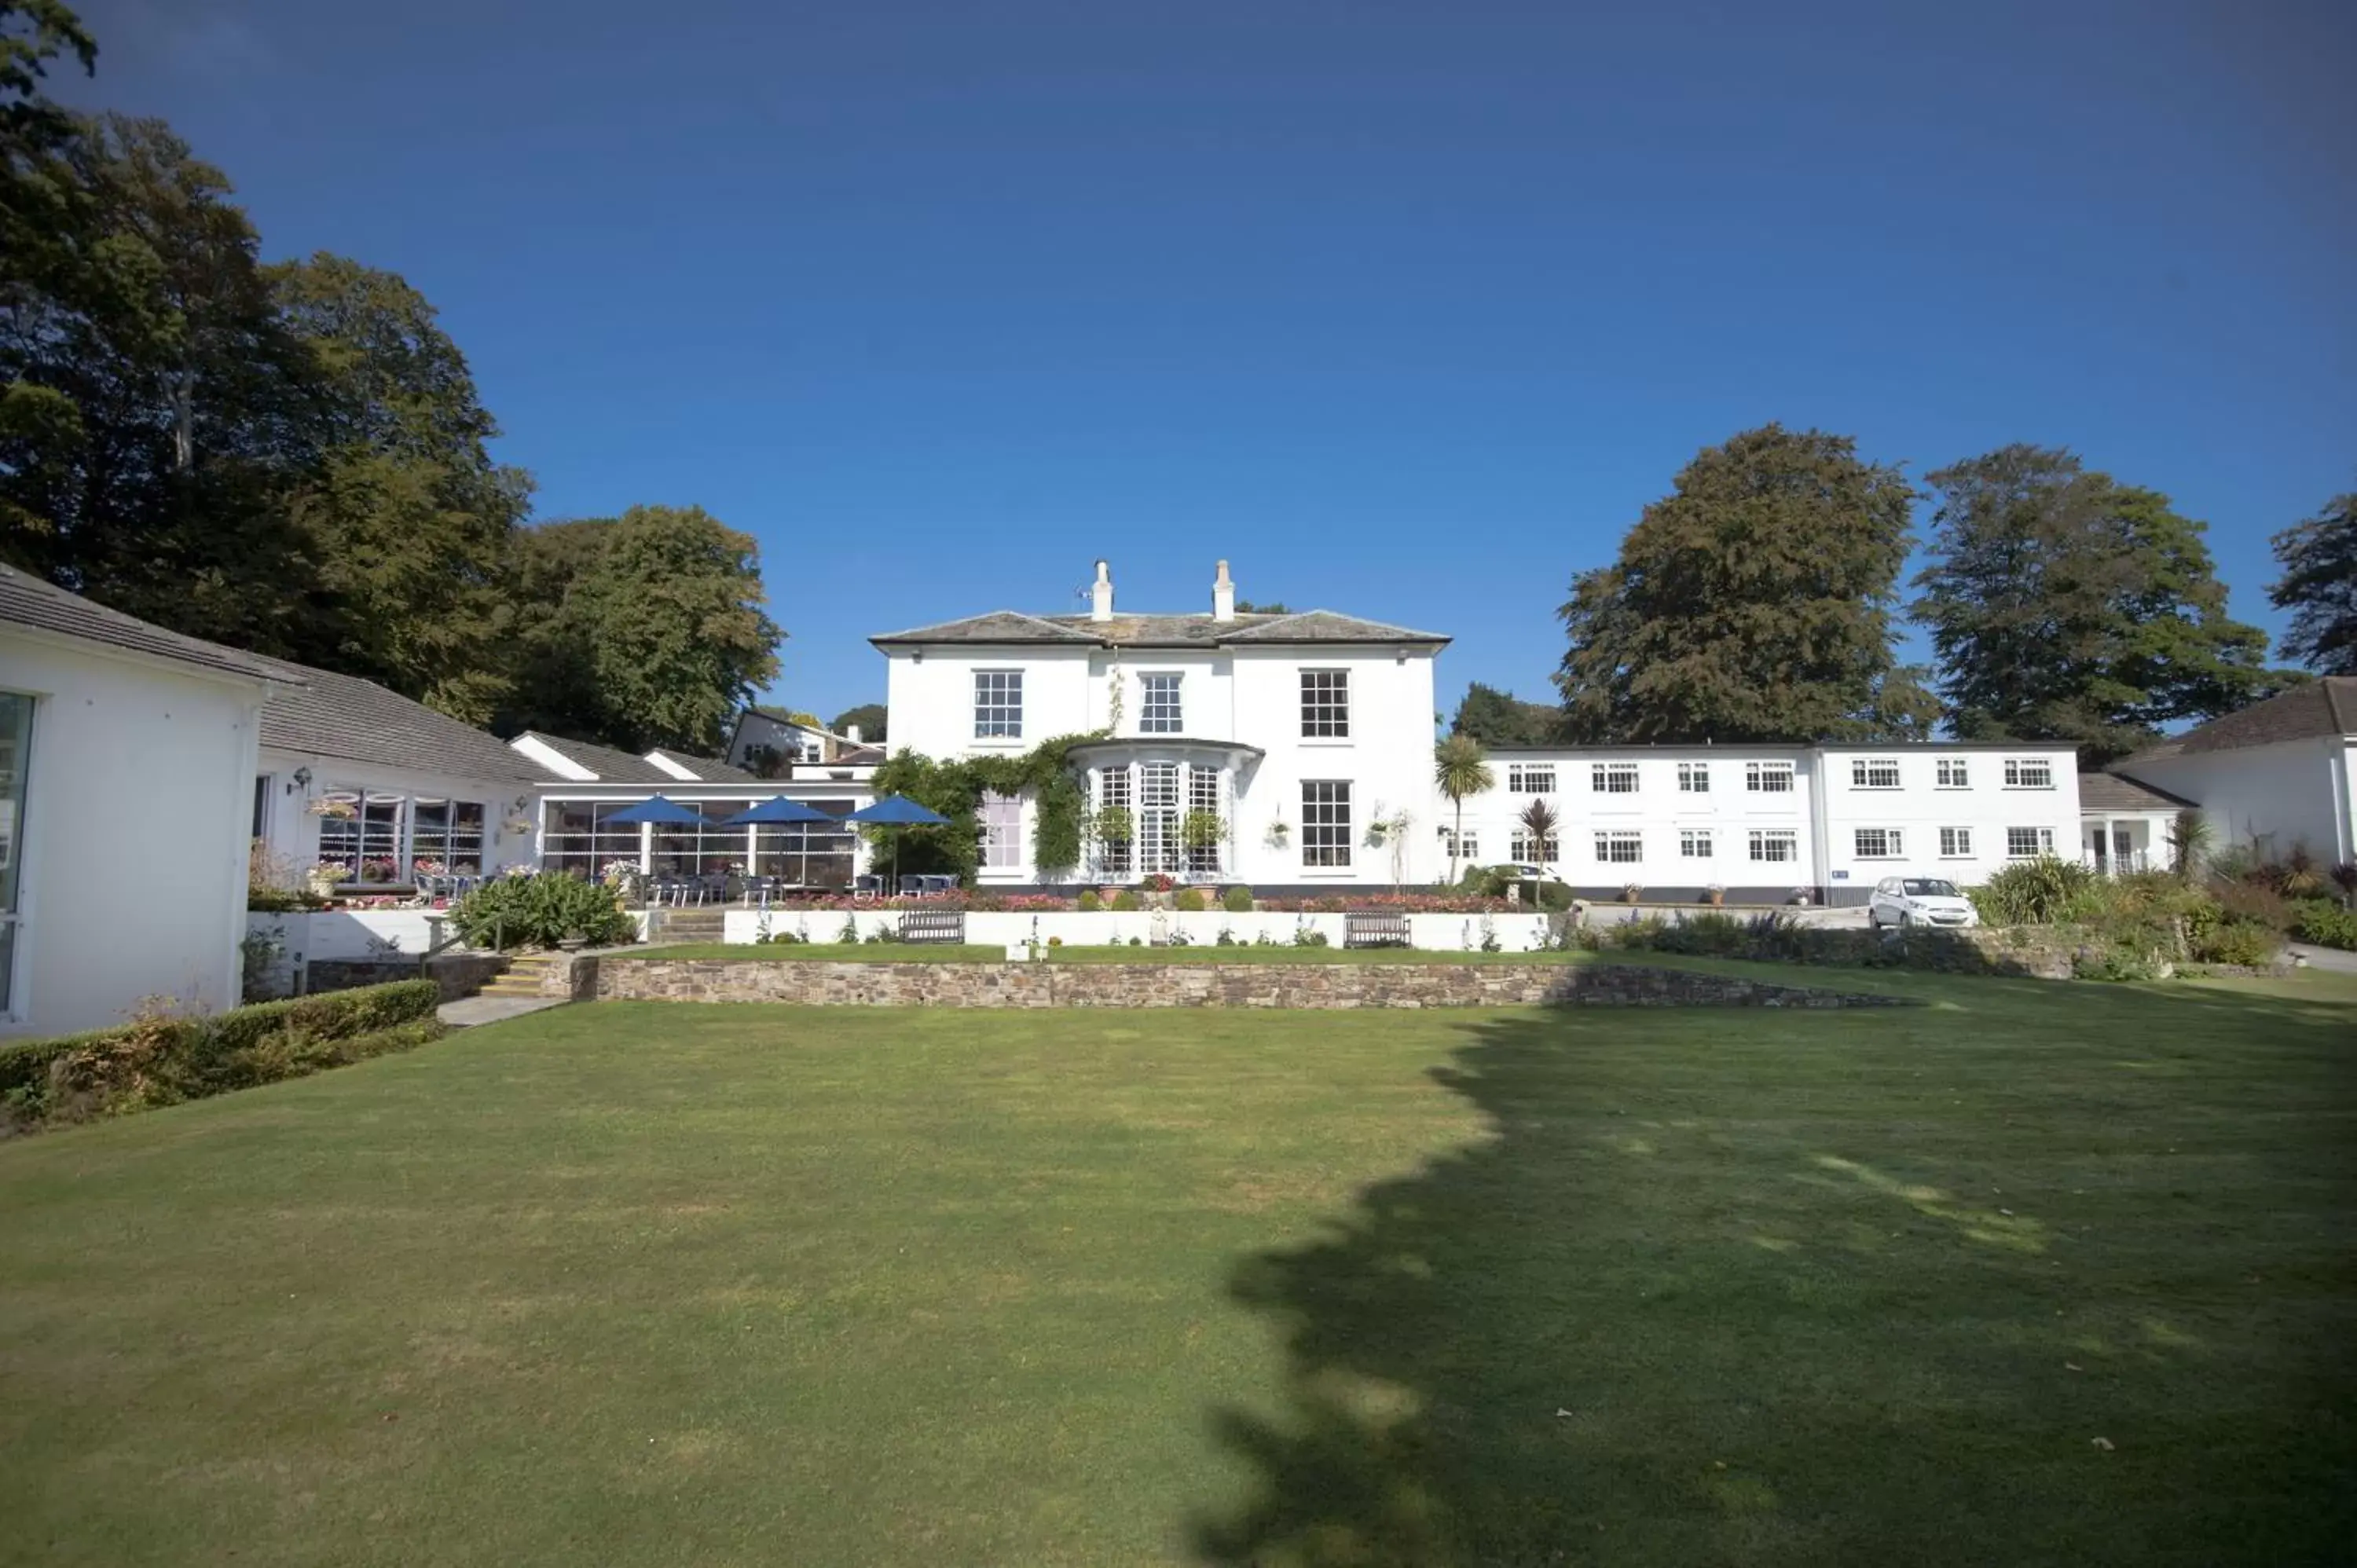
(2042, 892)
(542, 910)
(1091, 903)
(1237, 900)
(1124, 900)
(2240, 942)
(160, 1058)
(2325, 923)
(2250, 899)
(1190, 901)
(1308, 938)
(281, 901)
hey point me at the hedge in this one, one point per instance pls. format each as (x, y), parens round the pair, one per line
(161, 1059)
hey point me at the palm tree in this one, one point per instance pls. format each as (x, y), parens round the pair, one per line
(2191, 837)
(1460, 769)
(1539, 824)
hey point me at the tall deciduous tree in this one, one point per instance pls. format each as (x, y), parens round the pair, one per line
(641, 630)
(2066, 606)
(1754, 602)
(1500, 718)
(152, 395)
(2320, 587)
(402, 512)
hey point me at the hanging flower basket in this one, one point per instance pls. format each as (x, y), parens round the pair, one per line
(518, 825)
(343, 811)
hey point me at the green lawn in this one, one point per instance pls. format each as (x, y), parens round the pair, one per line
(654, 1284)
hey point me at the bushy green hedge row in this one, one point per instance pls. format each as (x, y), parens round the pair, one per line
(2152, 916)
(2324, 923)
(160, 1058)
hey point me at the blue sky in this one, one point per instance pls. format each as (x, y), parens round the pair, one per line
(1404, 309)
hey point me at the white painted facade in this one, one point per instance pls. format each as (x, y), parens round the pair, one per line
(2267, 798)
(1303, 801)
(132, 844)
(1767, 825)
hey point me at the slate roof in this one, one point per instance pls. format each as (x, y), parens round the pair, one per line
(613, 767)
(709, 769)
(2110, 792)
(2318, 708)
(322, 714)
(1002, 626)
(29, 601)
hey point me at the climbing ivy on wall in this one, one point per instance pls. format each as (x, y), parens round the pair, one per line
(955, 790)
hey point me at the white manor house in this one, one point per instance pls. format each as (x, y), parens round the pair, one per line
(1309, 736)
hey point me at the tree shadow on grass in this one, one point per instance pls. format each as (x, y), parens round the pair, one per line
(1853, 1287)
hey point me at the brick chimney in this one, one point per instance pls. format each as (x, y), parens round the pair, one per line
(1223, 596)
(1101, 596)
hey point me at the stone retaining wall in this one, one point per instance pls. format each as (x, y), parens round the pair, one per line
(458, 975)
(1187, 985)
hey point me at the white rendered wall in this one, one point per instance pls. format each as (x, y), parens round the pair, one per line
(1985, 806)
(139, 797)
(2295, 792)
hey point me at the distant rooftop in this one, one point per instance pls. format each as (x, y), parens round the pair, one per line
(2306, 712)
(1247, 628)
(26, 600)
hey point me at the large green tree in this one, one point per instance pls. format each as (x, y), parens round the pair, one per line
(407, 519)
(641, 630)
(871, 719)
(154, 396)
(2320, 587)
(1753, 602)
(2065, 605)
(1500, 718)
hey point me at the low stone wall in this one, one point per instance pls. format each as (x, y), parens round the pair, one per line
(1322, 985)
(458, 975)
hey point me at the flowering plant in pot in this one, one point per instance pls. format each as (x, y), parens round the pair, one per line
(343, 810)
(1715, 896)
(325, 876)
(1632, 891)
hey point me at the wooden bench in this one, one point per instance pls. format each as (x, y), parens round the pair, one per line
(1363, 928)
(932, 926)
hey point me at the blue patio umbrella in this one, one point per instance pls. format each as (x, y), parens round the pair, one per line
(785, 812)
(657, 810)
(898, 811)
(778, 809)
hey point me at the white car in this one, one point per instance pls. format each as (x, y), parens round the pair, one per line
(1918, 901)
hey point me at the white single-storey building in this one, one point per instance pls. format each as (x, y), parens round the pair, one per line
(127, 762)
(2273, 776)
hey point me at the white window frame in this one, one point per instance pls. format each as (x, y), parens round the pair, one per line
(1874, 773)
(1326, 825)
(1886, 844)
(998, 705)
(1695, 843)
(1956, 843)
(1202, 795)
(2041, 840)
(1002, 830)
(2028, 773)
(1325, 704)
(1612, 778)
(1465, 845)
(1530, 779)
(1619, 847)
(1114, 788)
(1521, 848)
(1761, 777)
(1169, 714)
(1161, 797)
(1954, 773)
(1693, 778)
(1783, 839)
